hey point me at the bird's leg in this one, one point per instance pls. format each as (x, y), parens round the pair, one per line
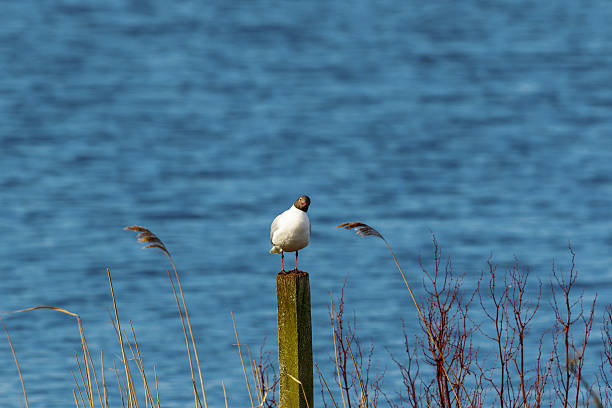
(282, 261)
(296, 254)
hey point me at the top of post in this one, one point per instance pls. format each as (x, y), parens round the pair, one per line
(292, 274)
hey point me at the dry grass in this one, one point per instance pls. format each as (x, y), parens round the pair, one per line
(152, 241)
(25, 394)
(87, 392)
(91, 388)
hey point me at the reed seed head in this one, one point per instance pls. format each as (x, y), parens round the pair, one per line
(145, 236)
(362, 229)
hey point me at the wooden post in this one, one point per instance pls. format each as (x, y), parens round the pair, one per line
(294, 340)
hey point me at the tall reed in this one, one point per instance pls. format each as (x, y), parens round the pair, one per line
(152, 241)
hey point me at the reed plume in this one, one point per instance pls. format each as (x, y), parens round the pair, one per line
(362, 229)
(145, 236)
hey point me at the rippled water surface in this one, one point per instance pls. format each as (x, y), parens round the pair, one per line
(486, 123)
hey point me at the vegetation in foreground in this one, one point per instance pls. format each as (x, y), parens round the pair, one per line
(441, 366)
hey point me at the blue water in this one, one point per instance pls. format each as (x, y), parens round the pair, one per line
(486, 123)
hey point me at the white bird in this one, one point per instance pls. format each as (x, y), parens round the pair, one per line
(290, 231)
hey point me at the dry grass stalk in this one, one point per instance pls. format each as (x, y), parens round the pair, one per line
(364, 399)
(105, 400)
(266, 391)
(79, 390)
(246, 377)
(301, 388)
(365, 230)
(83, 381)
(128, 377)
(224, 394)
(262, 393)
(147, 237)
(156, 386)
(121, 387)
(138, 359)
(193, 342)
(90, 368)
(76, 401)
(254, 375)
(324, 383)
(88, 383)
(190, 359)
(25, 394)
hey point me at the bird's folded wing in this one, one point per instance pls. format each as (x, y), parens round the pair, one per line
(274, 227)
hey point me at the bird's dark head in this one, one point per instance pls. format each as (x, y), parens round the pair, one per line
(302, 203)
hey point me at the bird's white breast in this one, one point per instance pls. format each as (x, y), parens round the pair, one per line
(291, 230)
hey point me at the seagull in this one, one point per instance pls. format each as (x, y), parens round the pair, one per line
(290, 230)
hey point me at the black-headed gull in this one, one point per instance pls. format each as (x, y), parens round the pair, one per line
(290, 231)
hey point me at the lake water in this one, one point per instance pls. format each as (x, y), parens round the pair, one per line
(486, 123)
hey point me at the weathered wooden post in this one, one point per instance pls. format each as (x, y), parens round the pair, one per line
(294, 340)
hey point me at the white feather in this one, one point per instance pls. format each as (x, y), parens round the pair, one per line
(290, 231)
